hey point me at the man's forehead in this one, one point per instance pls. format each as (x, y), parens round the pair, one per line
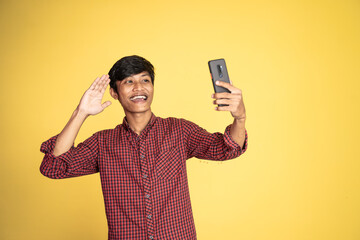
(142, 74)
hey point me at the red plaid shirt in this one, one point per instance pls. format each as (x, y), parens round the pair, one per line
(143, 177)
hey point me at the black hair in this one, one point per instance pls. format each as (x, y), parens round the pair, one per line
(128, 66)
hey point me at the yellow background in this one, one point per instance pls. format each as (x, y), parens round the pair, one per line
(297, 62)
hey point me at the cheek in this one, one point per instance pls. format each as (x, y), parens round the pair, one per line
(122, 93)
(151, 90)
(121, 98)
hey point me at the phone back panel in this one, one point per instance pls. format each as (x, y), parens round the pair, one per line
(219, 72)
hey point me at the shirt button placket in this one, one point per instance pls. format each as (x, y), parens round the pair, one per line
(147, 190)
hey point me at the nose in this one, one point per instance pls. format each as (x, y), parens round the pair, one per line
(137, 86)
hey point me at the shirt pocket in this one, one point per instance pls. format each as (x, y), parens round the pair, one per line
(168, 164)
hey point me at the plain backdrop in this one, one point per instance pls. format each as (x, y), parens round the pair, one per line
(297, 63)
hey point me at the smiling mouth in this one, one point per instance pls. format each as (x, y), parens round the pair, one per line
(139, 98)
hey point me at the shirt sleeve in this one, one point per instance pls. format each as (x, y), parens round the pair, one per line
(212, 146)
(78, 161)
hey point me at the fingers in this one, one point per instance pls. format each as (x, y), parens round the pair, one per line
(100, 83)
(224, 108)
(224, 101)
(104, 84)
(231, 102)
(227, 104)
(227, 95)
(92, 87)
(105, 104)
(229, 86)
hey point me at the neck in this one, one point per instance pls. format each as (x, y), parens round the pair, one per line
(138, 121)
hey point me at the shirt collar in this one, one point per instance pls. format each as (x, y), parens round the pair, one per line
(153, 118)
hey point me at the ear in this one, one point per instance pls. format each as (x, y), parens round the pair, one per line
(114, 94)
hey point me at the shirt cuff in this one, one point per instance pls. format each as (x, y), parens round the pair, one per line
(48, 146)
(231, 143)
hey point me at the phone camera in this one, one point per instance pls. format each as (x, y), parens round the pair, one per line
(220, 69)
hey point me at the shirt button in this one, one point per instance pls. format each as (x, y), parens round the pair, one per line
(142, 156)
(149, 216)
(147, 195)
(151, 237)
(145, 176)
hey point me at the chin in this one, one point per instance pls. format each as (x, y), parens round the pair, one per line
(138, 110)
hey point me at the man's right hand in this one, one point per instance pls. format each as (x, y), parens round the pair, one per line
(90, 103)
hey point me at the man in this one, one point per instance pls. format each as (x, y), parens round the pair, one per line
(142, 161)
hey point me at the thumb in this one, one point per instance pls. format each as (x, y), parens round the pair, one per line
(105, 104)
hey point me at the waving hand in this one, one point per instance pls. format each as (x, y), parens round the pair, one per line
(90, 103)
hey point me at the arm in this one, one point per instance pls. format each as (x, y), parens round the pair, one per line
(238, 131)
(217, 146)
(90, 104)
(211, 146)
(61, 159)
(236, 107)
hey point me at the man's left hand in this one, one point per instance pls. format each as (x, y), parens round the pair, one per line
(234, 100)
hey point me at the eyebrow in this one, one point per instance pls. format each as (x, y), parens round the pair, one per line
(143, 75)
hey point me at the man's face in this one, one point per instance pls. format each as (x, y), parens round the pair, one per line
(135, 93)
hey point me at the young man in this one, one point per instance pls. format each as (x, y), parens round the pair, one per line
(142, 162)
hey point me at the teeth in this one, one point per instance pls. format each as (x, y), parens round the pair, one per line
(138, 97)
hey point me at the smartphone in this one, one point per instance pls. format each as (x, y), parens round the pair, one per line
(219, 72)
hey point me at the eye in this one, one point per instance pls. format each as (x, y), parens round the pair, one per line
(146, 80)
(129, 81)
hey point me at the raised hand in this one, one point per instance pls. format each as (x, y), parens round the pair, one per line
(234, 100)
(90, 103)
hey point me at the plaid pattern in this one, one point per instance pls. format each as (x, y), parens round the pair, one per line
(143, 177)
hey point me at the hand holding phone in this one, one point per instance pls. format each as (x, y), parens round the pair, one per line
(227, 96)
(219, 72)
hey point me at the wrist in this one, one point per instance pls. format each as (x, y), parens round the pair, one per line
(240, 119)
(239, 123)
(79, 113)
